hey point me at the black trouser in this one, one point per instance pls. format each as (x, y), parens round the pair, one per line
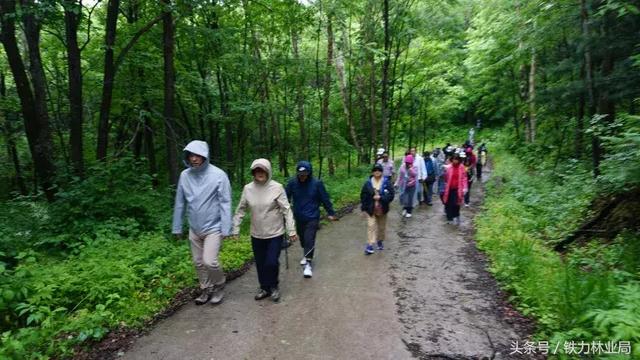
(428, 191)
(479, 170)
(451, 207)
(267, 255)
(307, 233)
(467, 195)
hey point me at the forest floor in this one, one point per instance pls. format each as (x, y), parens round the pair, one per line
(428, 295)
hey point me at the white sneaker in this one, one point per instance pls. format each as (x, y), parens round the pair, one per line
(307, 271)
(303, 262)
(404, 213)
(466, 205)
(457, 220)
(409, 215)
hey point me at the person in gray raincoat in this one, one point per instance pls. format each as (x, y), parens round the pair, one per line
(205, 193)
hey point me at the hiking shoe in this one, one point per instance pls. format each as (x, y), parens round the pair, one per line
(217, 297)
(307, 271)
(368, 250)
(262, 294)
(204, 296)
(380, 245)
(275, 294)
(303, 262)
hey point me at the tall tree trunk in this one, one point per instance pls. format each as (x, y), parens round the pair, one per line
(346, 103)
(149, 145)
(385, 75)
(72, 14)
(299, 81)
(364, 116)
(108, 79)
(225, 113)
(532, 98)
(32, 103)
(579, 131)
(524, 96)
(12, 149)
(325, 137)
(169, 92)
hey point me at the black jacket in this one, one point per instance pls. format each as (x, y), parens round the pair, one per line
(367, 193)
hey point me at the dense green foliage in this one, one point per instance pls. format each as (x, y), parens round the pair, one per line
(327, 81)
(100, 258)
(592, 293)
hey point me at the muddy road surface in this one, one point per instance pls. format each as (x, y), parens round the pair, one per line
(426, 296)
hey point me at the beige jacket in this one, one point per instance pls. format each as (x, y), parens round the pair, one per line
(270, 209)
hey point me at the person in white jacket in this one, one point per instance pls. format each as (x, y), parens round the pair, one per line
(418, 162)
(271, 216)
(205, 193)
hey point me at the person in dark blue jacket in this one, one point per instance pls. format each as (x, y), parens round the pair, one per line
(375, 196)
(307, 193)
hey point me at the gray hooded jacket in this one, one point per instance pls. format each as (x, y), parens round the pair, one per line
(206, 192)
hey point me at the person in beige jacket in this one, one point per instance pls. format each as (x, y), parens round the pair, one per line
(271, 216)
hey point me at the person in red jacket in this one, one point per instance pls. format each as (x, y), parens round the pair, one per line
(455, 189)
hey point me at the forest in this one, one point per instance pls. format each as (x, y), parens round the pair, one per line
(99, 97)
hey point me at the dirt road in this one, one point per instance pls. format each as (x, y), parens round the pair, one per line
(427, 296)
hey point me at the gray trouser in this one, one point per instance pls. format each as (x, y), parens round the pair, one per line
(205, 249)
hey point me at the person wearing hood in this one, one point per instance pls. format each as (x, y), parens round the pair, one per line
(205, 193)
(271, 216)
(375, 197)
(407, 183)
(306, 194)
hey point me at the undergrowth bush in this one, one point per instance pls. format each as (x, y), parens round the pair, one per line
(101, 257)
(116, 197)
(592, 293)
(50, 306)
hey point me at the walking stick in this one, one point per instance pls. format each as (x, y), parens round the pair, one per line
(286, 252)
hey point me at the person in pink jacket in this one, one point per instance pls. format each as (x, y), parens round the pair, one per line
(455, 189)
(407, 183)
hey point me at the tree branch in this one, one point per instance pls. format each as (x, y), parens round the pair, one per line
(89, 24)
(134, 39)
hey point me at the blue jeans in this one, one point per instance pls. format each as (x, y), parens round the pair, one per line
(267, 255)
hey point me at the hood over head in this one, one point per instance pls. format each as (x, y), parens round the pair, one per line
(263, 164)
(197, 147)
(304, 165)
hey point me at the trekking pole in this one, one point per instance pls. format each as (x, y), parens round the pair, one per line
(286, 252)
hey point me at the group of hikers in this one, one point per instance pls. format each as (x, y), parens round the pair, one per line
(284, 214)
